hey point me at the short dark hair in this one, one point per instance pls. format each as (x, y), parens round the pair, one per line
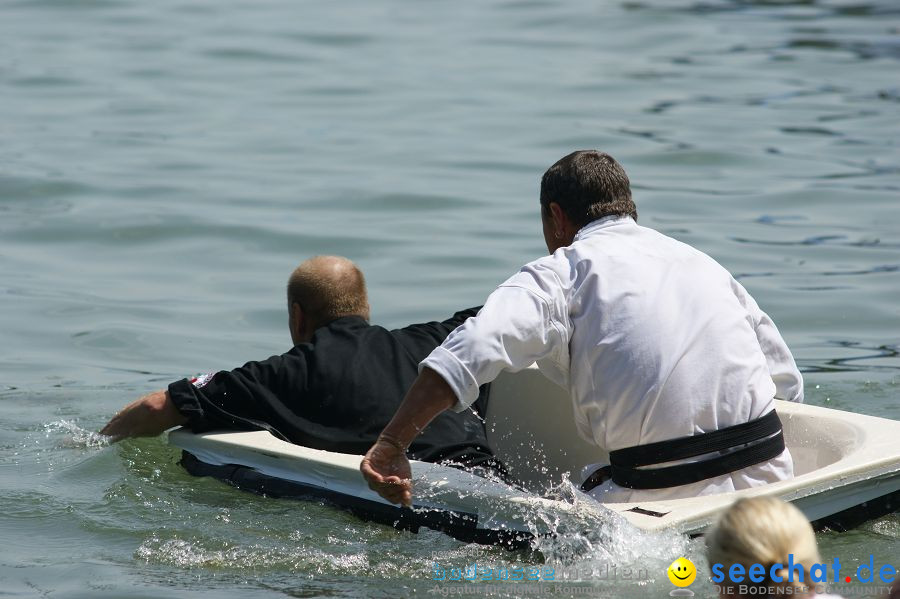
(588, 185)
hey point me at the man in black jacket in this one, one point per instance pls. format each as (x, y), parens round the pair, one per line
(334, 390)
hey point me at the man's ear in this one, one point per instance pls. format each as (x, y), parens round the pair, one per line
(563, 229)
(296, 322)
(556, 216)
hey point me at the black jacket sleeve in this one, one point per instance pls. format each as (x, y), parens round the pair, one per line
(246, 398)
(435, 332)
(432, 334)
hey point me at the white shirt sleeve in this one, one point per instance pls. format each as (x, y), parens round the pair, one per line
(523, 321)
(782, 367)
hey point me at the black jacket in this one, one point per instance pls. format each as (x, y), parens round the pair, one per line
(337, 392)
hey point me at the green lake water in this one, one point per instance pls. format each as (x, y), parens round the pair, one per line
(164, 165)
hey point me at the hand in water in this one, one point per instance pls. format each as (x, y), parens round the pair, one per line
(147, 417)
(388, 472)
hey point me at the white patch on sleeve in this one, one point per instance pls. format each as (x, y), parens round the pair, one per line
(202, 380)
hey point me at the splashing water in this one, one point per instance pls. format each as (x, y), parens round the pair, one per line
(594, 534)
(577, 537)
(73, 436)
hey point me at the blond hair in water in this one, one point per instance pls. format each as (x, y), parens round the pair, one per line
(765, 530)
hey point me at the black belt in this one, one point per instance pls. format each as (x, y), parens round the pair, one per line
(765, 433)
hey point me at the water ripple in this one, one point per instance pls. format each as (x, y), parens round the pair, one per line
(863, 362)
(821, 240)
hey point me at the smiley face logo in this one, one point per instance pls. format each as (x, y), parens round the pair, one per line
(682, 572)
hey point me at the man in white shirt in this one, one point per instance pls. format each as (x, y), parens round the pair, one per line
(671, 365)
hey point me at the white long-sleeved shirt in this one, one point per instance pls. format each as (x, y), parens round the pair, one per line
(653, 339)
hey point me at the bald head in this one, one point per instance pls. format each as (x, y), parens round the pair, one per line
(326, 288)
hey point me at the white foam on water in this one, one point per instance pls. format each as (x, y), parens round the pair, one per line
(218, 554)
(69, 434)
(579, 539)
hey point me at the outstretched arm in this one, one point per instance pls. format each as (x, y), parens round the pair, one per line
(146, 417)
(245, 398)
(385, 466)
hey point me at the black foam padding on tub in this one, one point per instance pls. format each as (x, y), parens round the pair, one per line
(462, 526)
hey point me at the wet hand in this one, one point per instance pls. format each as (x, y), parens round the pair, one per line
(147, 417)
(387, 470)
